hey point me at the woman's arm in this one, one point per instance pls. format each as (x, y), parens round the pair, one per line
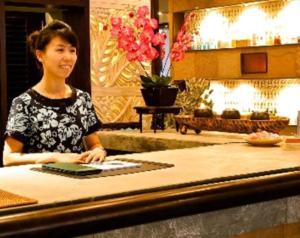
(95, 150)
(12, 155)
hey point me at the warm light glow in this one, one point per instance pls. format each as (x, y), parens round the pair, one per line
(289, 102)
(241, 98)
(287, 22)
(217, 96)
(214, 27)
(244, 95)
(252, 21)
(248, 24)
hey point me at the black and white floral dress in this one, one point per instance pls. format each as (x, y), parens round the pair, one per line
(52, 125)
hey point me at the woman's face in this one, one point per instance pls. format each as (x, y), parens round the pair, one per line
(58, 58)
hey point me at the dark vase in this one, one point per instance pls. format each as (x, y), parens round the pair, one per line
(205, 112)
(159, 96)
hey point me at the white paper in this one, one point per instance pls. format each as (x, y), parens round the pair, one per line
(114, 164)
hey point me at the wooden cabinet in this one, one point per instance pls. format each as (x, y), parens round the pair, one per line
(18, 18)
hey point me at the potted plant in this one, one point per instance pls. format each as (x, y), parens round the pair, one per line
(139, 39)
(196, 93)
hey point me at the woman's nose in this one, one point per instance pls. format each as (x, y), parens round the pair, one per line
(69, 55)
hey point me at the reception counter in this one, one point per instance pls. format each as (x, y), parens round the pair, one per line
(208, 189)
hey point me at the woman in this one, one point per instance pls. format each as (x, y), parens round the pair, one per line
(48, 122)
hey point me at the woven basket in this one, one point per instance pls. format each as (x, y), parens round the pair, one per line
(243, 125)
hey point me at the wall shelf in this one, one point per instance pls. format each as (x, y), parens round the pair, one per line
(247, 47)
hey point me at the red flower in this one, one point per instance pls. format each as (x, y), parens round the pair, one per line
(143, 11)
(183, 41)
(153, 23)
(138, 38)
(159, 39)
(116, 21)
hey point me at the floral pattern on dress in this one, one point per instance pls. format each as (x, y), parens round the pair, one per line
(52, 125)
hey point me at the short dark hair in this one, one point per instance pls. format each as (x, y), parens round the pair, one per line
(38, 40)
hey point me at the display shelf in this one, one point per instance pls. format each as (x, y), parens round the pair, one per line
(247, 47)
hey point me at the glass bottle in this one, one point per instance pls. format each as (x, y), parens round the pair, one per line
(277, 40)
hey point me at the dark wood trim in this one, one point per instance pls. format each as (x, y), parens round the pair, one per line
(146, 206)
(76, 13)
(50, 2)
(78, 19)
(3, 95)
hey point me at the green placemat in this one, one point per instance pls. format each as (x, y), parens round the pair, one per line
(8, 199)
(145, 166)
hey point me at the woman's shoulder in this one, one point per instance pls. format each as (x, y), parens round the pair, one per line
(81, 93)
(24, 98)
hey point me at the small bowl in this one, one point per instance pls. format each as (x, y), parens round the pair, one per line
(264, 141)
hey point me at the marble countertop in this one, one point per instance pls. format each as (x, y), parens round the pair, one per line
(190, 165)
(134, 141)
(228, 170)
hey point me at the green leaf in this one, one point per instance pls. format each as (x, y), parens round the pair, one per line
(155, 81)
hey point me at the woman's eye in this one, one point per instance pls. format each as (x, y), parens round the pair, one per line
(59, 50)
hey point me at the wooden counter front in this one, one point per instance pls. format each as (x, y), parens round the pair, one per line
(203, 179)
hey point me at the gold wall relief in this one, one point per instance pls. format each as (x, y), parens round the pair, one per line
(115, 80)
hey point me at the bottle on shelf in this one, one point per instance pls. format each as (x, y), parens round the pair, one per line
(270, 38)
(254, 39)
(277, 39)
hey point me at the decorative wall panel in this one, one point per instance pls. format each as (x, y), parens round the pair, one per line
(278, 96)
(115, 80)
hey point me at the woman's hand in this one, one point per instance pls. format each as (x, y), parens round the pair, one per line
(95, 152)
(62, 158)
(95, 155)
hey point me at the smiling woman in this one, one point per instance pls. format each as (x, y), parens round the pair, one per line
(52, 116)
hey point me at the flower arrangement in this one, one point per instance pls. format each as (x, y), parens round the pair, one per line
(139, 38)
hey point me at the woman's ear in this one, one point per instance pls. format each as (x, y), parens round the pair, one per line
(39, 56)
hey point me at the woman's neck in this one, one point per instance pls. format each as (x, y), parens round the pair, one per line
(53, 89)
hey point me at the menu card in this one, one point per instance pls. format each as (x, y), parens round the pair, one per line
(114, 164)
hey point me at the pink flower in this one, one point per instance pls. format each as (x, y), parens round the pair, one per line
(140, 22)
(177, 52)
(146, 36)
(131, 56)
(152, 54)
(115, 31)
(153, 23)
(143, 11)
(127, 31)
(138, 38)
(159, 39)
(116, 21)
